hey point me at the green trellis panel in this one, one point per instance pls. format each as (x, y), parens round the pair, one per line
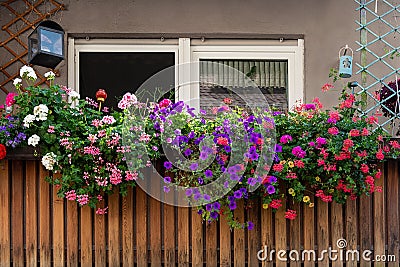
(380, 61)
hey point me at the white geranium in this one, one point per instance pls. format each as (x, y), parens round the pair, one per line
(41, 117)
(17, 82)
(27, 72)
(49, 160)
(33, 140)
(28, 120)
(50, 75)
(41, 112)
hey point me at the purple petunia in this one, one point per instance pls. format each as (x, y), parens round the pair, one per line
(194, 166)
(168, 165)
(166, 189)
(189, 192)
(232, 205)
(167, 179)
(278, 148)
(208, 207)
(216, 206)
(214, 215)
(206, 197)
(272, 179)
(270, 189)
(187, 152)
(200, 180)
(250, 225)
(251, 181)
(238, 194)
(203, 155)
(208, 173)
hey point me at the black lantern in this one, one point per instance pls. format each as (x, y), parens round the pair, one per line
(46, 44)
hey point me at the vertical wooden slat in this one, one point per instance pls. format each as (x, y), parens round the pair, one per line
(44, 218)
(58, 227)
(267, 236)
(322, 230)
(253, 237)
(280, 233)
(5, 195)
(197, 239)
(17, 213)
(72, 237)
(393, 210)
(113, 230)
(31, 213)
(127, 230)
(141, 227)
(379, 216)
(225, 242)
(183, 236)
(294, 237)
(155, 227)
(366, 235)
(337, 229)
(351, 231)
(211, 244)
(169, 235)
(100, 253)
(308, 230)
(86, 236)
(238, 237)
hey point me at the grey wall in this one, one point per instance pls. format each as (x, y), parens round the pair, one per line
(326, 25)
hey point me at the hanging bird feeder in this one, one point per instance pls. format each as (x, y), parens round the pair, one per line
(345, 62)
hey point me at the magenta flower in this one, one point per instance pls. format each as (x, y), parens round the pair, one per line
(298, 152)
(285, 138)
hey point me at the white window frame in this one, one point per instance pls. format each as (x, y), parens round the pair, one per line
(294, 54)
(186, 52)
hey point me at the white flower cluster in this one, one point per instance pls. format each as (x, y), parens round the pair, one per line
(40, 113)
(50, 75)
(33, 140)
(73, 95)
(49, 160)
(27, 72)
(17, 82)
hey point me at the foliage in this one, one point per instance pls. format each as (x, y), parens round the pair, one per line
(236, 156)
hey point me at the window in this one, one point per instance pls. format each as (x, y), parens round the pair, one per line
(276, 67)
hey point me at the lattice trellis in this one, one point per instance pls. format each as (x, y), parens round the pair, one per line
(380, 61)
(24, 15)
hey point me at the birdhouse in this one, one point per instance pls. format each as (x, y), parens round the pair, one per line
(345, 62)
(46, 45)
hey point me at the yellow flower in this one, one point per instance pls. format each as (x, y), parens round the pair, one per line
(311, 205)
(331, 190)
(306, 199)
(265, 206)
(282, 162)
(291, 191)
(291, 164)
(317, 179)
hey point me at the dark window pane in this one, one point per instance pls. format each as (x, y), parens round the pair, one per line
(120, 72)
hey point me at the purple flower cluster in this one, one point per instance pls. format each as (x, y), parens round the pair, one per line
(298, 152)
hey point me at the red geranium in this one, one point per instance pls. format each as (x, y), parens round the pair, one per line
(3, 151)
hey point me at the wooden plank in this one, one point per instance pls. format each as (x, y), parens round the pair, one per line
(322, 231)
(17, 213)
(294, 237)
(225, 242)
(100, 256)
(267, 236)
(141, 227)
(31, 212)
(155, 229)
(72, 237)
(86, 236)
(58, 227)
(238, 237)
(254, 235)
(183, 236)
(5, 194)
(351, 231)
(127, 229)
(366, 234)
(169, 235)
(280, 233)
(379, 216)
(308, 231)
(211, 244)
(337, 229)
(197, 239)
(113, 229)
(393, 210)
(44, 218)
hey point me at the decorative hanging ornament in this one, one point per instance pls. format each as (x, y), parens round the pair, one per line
(101, 96)
(345, 62)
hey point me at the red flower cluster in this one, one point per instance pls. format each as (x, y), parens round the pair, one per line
(3, 151)
(323, 197)
(290, 214)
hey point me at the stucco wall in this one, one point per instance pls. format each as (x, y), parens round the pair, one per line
(325, 25)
